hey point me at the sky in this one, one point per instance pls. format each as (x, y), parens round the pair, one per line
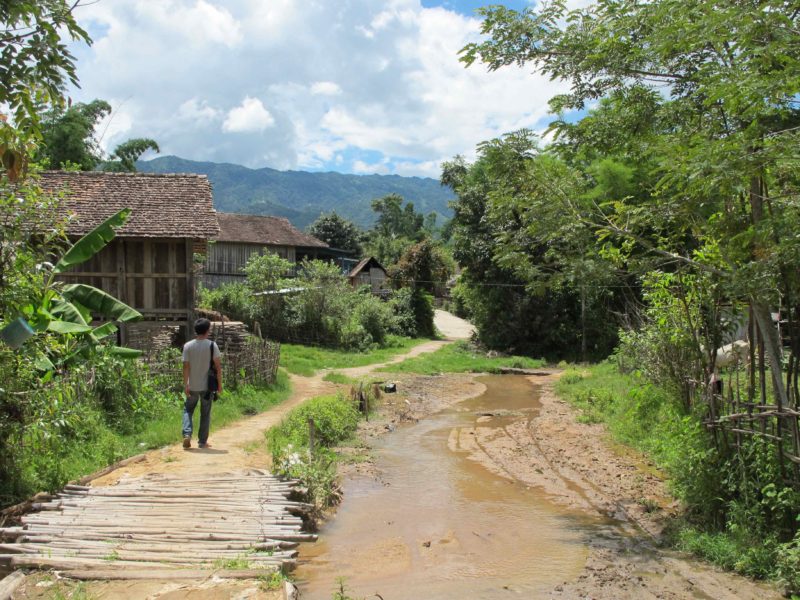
(354, 86)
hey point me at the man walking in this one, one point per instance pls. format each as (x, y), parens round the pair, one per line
(200, 355)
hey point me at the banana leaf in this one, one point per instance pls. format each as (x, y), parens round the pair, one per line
(104, 330)
(64, 327)
(94, 241)
(99, 302)
(71, 311)
(125, 352)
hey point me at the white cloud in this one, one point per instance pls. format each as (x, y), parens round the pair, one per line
(248, 117)
(325, 88)
(363, 168)
(197, 110)
(342, 79)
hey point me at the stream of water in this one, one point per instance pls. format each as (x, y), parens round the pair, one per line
(438, 525)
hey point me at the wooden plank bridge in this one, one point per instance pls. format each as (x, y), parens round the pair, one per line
(162, 526)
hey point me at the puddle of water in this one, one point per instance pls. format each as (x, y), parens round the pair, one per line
(439, 525)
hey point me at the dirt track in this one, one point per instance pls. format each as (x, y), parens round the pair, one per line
(578, 468)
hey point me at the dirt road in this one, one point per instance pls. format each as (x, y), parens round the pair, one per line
(577, 468)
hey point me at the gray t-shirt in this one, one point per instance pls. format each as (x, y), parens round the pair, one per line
(198, 354)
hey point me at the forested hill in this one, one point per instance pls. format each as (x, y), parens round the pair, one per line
(301, 196)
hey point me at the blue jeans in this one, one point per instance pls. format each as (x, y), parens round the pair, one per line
(205, 414)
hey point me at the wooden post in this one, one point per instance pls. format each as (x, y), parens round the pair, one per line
(189, 288)
(122, 288)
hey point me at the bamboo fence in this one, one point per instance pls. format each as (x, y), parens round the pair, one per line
(745, 405)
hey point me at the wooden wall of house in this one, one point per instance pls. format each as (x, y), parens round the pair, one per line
(225, 261)
(154, 276)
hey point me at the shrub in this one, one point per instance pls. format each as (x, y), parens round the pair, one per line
(374, 316)
(335, 419)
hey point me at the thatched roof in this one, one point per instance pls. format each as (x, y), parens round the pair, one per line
(162, 206)
(268, 231)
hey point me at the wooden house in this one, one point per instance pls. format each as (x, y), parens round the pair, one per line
(150, 263)
(242, 236)
(369, 272)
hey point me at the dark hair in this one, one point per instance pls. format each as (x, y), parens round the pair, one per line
(202, 326)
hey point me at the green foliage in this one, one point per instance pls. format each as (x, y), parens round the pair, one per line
(337, 232)
(307, 360)
(339, 378)
(422, 308)
(788, 567)
(69, 140)
(396, 220)
(335, 420)
(460, 357)
(234, 300)
(321, 307)
(68, 135)
(37, 66)
(533, 280)
(124, 157)
(423, 265)
(274, 581)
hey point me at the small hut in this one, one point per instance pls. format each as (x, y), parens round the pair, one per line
(369, 272)
(150, 263)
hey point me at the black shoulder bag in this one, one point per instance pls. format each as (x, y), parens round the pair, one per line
(213, 383)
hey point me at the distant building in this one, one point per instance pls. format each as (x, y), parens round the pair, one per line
(369, 272)
(242, 236)
(149, 264)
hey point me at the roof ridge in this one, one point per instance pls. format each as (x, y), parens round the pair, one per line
(123, 174)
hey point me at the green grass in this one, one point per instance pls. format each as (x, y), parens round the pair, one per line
(340, 378)
(307, 360)
(460, 357)
(105, 446)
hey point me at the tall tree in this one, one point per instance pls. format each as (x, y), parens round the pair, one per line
(68, 136)
(396, 220)
(337, 232)
(727, 75)
(124, 157)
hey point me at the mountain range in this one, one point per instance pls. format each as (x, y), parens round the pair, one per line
(301, 196)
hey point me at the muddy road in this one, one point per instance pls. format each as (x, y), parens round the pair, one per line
(487, 487)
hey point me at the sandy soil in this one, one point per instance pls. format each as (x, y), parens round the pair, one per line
(451, 327)
(579, 468)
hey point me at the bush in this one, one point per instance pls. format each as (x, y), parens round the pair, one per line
(422, 306)
(335, 419)
(375, 317)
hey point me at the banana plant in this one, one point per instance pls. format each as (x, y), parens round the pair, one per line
(66, 309)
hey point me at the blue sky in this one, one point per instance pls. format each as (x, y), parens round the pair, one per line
(356, 86)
